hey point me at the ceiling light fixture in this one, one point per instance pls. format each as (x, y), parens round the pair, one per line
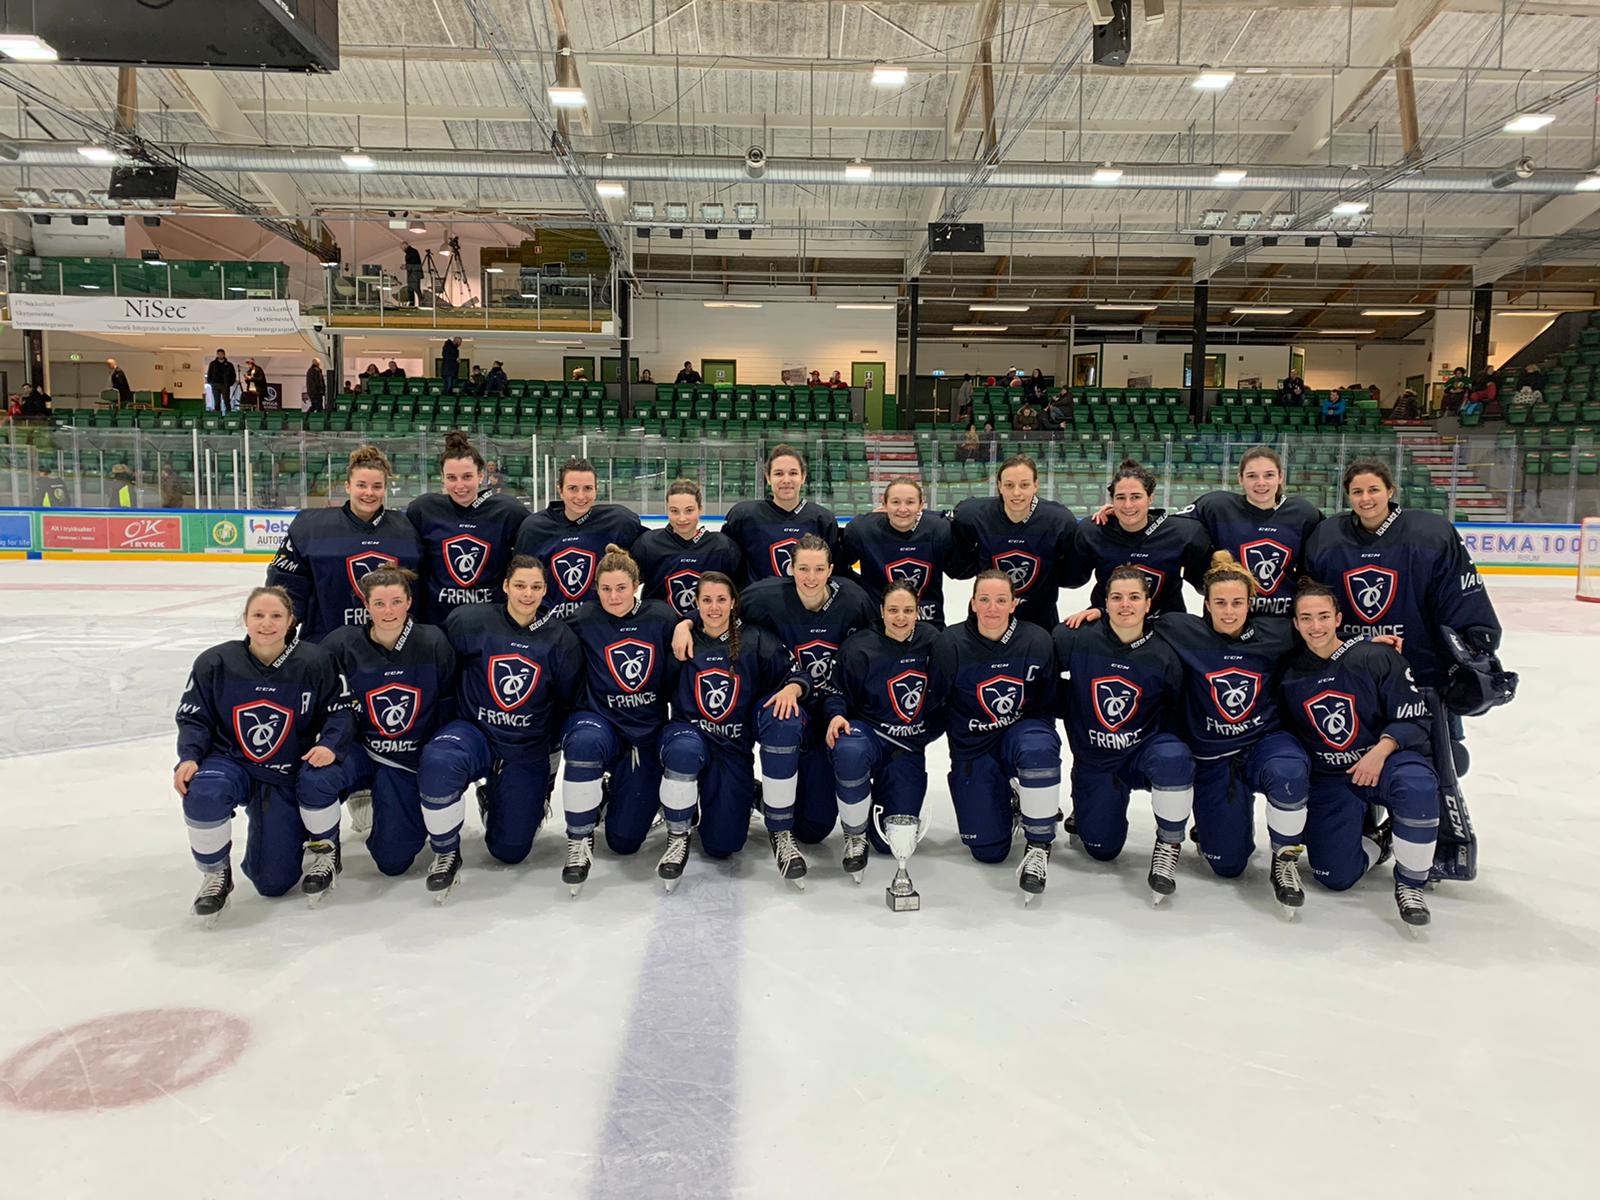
(1229, 177)
(1281, 220)
(1393, 312)
(1344, 332)
(862, 306)
(885, 76)
(1350, 208)
(1106, 174)
(98, 154)
(566, 97)
(494, 270)
(1589, 183)
(1529, 122)
(1260, 310)
(356, 161)
(856, 169)
(979, 328)
(1523, 312)
(25, 47)
(731, 304)
(610, 189)
(1212, 81)
(746, 213)
(1121, 306)
(997, 308)
(1213, 217)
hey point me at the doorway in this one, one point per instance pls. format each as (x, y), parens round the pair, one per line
(868, 376)
(718, 371)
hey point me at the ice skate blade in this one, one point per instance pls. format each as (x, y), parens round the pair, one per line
(856, 876)
(671, 884)
(573, 889)
(1156, 898)
(799, 882)
(1288, 913)
(208, 922)
(1029, 897)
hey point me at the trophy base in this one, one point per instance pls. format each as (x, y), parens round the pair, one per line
(908, 902)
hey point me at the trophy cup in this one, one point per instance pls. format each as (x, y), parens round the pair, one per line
(902, 832)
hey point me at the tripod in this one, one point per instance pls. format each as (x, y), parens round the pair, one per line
(455, 271)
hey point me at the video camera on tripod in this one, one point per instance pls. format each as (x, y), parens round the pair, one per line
(455, 271)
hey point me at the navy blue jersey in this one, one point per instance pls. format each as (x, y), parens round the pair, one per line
(1117, 694)
(1230, 683)
(516, 682)
(1340, 706)
(1407, 577)
(264, 716)
(571, 550)
(1035, 551)
(630, 669)
(1166, 551)
(1268, 542)
(882, 554)
(403, 695)
(326, 552)
(464, 550)
(671, 566)
(813, 638)
(766, 534)
(983, 687)
(883, 686)
(719, 695)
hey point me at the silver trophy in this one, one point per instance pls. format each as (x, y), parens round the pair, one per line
(902, 832)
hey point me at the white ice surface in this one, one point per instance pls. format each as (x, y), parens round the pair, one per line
(738, 1038)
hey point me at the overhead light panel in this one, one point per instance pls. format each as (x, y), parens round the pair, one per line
(1122, 306)
(1281, 220)
(1393, 312)
(746, 213)
(416, 227)
(1350, 208)
(1529, 122)
(979, 328)
(566, 97)
(1523, 312)
(25, 47)
(863, 306)
(1107, 174)
(1260, 310)
(71, 197)
(997, 308)
(357, 161)
(641, 210)
(1589, 183)
(1247, 220)
(1212, 81)
(1212, 218)
(494, 270)
(731, 303)
(1344, 332)
(610, 189)
(1229, 177)
(677, 212)
(98, 154)
(712, 212)
(885, 76)
(858, 170)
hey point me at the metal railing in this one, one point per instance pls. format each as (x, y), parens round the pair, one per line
(1471, 479)
(504, 297)
(160, 278)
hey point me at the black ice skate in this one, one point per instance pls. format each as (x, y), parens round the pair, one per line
(1163, 878)
(673, 858)
(791, 863)
(1286, 887)
(215, 888)
(323, 873)
(855, 855)
(1032, 873)
(444, 874)
(580, 854)
(1412, 904)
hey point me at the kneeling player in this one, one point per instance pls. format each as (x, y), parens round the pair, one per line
(252, 713)
(402, 677)
(995, 677)
(1124, 683)
(1367, 728)
(738, 688)
(881, 720)
(520, 674)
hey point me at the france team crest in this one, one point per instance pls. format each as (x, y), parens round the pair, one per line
(906, 693)
(512, 679)
(681, 587)
(1333, 716)
(1116, 700)
(782, 556)
(716, 693)
(261, 728)
(630, 662)
(1371, 591)
(914, 571)
(1001, 698)
(574, 570)
(1234, 692)
(816, 660)
(358, 566)
(465, 557)
(1268, 561)
(1021, 566)
(393, 709)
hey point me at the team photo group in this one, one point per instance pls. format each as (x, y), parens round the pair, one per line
(794, 668)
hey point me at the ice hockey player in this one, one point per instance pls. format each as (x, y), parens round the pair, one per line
(328, 550)
(257, 716)
(672, 559)
(1017, 532)
(995, 677)
(468, 534)
(738, 691)
(1120, 703)
(768, 530)
(903, 542)
(571, 535)
(1358, 713)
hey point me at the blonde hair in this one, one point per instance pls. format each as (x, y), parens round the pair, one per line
(1227, 569)
(368, 458)
(618, 559)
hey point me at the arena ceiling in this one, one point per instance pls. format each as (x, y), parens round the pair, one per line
(1001, 119)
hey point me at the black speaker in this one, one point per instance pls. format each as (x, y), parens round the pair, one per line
(1113, 41)
(949, 238)
(143, 183)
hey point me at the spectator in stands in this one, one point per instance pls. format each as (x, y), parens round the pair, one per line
(171, 487)
(1013, 378)
(991, 441)
(1038, 390)
(835, 382)
(349, 389)
(1456, 389)
(124, 491)
(371, 372)
(413, 276)
(646, 378)
(1405, 408)
(475, 382)
(579, 375)
(1026, 418)
(316, 386)
(1292, 391)
(52, 493)
(816, 378)
(495, 382)
(989, 382)
(1057, 413)
(221, 379)
(1485, 388)
(493, 477)
(255, 383)
(964, 399)
(969, 449)
(1377, 396)
(35, 406)
(1534, 380)
(450, 363)
(394, 370)
(14, 409)
(1333, 408)
(688, 375)
(119, 384)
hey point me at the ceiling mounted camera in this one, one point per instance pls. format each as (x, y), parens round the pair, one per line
(755, 162)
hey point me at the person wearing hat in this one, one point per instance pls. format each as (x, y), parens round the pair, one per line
(124, 491)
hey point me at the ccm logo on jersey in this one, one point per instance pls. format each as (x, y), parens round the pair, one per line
(1234, 692)
(393, 709)
(358, 566)
(512, 679)
(465, 557)
(1268, 561)
(1116, 700)
(681, 587)
(782, 556)
(913, 570)
(1371, 590)
(630, 662)
(1020, 565)
(261, 728)
(573, 567)
(1333, 716)
(1001, 698)
(906, 693)
(716, 692)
